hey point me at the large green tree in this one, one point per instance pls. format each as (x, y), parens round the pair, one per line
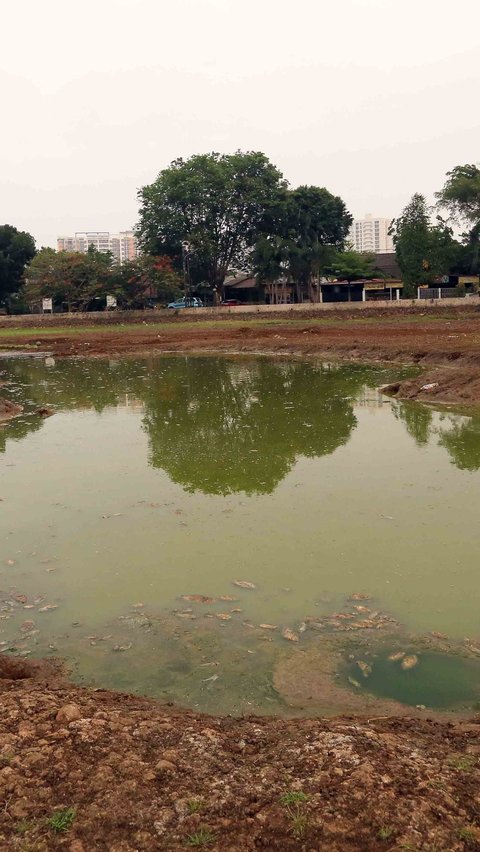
(301, 235)
(216, 203)
(424, 251)
(460, 196)
(353, 265)
(16, 249)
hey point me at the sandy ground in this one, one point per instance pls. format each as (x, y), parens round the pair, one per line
(86, 770)
(444, 341)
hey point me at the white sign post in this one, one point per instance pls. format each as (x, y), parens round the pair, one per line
(47, 305)
(111, 302)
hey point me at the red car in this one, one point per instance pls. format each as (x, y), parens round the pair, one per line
(230, 303)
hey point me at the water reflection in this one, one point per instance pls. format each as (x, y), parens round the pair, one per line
(223, 425)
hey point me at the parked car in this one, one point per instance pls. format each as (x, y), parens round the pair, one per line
(230, 303)
(193, 302)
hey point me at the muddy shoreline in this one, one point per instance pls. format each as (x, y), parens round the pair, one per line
(444, 342)
(84, 769)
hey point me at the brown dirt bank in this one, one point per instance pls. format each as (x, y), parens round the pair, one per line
(430, 337)
(122, 773)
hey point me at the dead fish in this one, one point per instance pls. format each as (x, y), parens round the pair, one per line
(409, 662)
(289, 634)
(315, 625)
(359, 596)
(138, 606)
(365, 669)
(354, 682)
(188, 615)
(396, 656)
(198, 599)
(302, 627)
(364, 609)
(223, 616)
(236, 610)
(211, 679)
(10, 562)
(122, 647)
(268, 626)
(48, 607)
(227, 598)
(438, 635)
(244, 584)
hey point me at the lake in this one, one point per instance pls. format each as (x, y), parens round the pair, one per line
(159, 480)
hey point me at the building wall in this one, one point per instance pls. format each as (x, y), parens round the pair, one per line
(371, 234)
(123, 245)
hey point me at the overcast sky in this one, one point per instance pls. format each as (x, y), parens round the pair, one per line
(374, 99)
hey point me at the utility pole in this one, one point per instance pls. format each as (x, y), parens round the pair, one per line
(186, 270)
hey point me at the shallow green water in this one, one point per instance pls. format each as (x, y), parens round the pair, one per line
(436, 681)
(175, 476)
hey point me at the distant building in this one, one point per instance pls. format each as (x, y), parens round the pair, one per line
(371, 234)
(123, 245)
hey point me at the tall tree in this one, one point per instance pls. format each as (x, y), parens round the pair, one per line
(424, 251)
(301, 235)
(352, 265)
(215, 202)
(460, 196)
(16, 249)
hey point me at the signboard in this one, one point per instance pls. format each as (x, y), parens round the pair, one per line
(47, 304)
(468, 279)
(111, 301)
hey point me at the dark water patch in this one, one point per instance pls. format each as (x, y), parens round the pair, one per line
(438, 681)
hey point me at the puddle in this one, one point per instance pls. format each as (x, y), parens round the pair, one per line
(428, 680)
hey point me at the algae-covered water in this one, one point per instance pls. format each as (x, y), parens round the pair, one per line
(158, 478)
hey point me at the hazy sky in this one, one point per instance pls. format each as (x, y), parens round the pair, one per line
(374, 99)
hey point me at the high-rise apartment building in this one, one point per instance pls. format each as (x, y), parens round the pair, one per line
(371, 234)
(123, 245)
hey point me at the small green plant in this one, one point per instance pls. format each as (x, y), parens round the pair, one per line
(61, 820)
(466, 833)
(202, 837)
(294, 797)
(385, 832)
(298, 823)
(464, 762)
(23, 825)
(194, 806)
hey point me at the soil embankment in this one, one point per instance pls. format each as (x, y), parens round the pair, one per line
(445, 342)
(90, 769)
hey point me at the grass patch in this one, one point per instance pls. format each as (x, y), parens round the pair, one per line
(385, 832)
(62, 820)
(194, 806)
(23, 826)
(463, 762)
(202, 837)
(294, 797)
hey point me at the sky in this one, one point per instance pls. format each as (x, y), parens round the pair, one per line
(373, 99)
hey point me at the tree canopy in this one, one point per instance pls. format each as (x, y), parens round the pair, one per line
(215, 202)
(424, 251)
(301, 235)
(460, 196)
(17, 248)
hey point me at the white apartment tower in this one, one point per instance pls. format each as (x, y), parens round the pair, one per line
(123, 245)
(371, 234)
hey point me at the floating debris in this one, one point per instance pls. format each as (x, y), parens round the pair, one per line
(227, 598)
(409, 662)
(198, 599)
(223, 616)
(438, 635)
(211, 679)
(398, 655)
(48, 607)
(359, 596)
(268, 626)
(122, 647)
(244, 584)
(289, 634)
(354, 682)
(365, 669)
